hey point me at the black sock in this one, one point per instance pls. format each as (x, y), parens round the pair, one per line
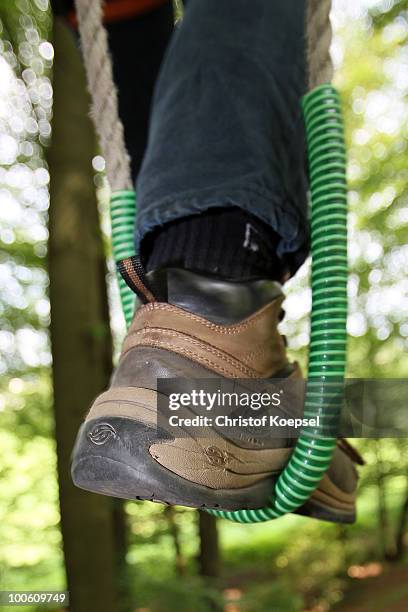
(226, 242)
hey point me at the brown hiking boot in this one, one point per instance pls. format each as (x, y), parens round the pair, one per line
(202, 328)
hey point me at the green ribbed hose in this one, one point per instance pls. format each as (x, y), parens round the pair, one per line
(123, 215)
(327, 354)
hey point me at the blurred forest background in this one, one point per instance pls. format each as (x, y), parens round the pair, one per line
(142, 556)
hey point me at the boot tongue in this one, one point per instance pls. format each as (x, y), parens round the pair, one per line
(218, 300)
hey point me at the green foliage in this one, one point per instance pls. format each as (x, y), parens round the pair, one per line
(30, 554)
(158, 595)
(274, 596)
(376, 110)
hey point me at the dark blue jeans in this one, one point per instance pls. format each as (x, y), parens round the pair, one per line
(225, 123)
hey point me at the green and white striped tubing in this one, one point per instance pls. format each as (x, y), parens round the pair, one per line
(123, 215)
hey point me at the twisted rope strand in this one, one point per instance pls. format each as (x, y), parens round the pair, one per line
(104, 111)
(319, 37)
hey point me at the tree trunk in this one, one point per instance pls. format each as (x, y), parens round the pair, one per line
(383, 521)
(397, 554)
(209, 557)
(170, 514)
(80, 333)
(120, 536)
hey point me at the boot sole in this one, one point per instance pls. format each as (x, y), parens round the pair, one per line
(111, 457)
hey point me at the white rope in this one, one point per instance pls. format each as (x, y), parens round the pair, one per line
(319, 36)
(98, 65)
(103, 91)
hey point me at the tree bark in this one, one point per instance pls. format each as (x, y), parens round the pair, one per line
(170, 512)
(397, 554)
(383, 519)
(209, 556)
(80, 333)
